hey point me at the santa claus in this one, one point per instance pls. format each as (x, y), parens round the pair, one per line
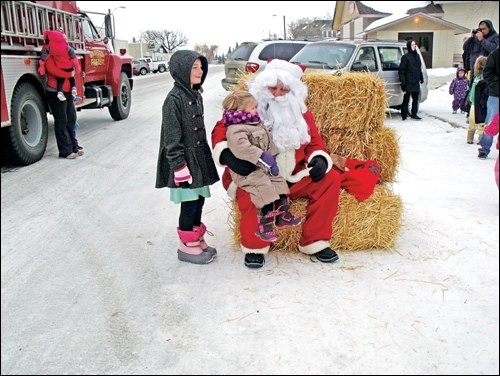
(303, 162)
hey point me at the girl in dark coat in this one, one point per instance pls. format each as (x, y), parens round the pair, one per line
(185, 163)
(478, 96)
(410, 75)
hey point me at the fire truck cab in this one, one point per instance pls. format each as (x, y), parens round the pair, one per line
(106, 79)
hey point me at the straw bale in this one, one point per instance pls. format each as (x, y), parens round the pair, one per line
(350, 101)
(244, 77)
(384, 148)
(353, 102)
(373, 223)
(380, 145)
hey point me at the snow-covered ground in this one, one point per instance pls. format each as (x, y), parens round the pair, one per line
(91, 283)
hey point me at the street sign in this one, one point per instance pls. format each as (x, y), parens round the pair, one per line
(151, 44)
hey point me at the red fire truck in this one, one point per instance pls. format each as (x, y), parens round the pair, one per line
(106, 79)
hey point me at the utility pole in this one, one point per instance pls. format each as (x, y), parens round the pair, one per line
(284, 27)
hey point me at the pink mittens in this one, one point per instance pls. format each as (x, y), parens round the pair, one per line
(182, 175)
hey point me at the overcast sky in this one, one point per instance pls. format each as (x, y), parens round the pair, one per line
(220, 23)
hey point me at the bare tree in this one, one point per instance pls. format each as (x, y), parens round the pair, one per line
(305, 28)
(296, 28)
(210, 52)
(169, 40)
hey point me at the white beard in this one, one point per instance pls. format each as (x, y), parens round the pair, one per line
(283, 117)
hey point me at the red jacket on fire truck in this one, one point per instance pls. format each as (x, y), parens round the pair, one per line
(56, 46)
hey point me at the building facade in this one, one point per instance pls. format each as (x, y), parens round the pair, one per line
(439, 27)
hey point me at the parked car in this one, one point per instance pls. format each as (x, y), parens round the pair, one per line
(378, 57)
(156, 65)
(148, 61)
(251, 57)
(236, 64)
(140, 67)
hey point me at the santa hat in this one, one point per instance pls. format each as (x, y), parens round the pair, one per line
(284, 65)
(279, 70)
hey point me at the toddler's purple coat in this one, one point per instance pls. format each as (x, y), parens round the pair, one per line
(458, 88)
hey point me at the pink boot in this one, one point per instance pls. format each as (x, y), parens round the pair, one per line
(201, 230)
(190, 250)
(265, 229)
(285, 218)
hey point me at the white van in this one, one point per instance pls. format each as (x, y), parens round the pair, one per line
(252, 57)
(375, 56)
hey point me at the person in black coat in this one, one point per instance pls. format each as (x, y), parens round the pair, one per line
(410, 75)
(491, 75)
(481, 42)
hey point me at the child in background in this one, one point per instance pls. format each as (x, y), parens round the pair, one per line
(478, 96)
(249, 140)
(185, 163)
(458, 88)
(56, 46)
(492, 130)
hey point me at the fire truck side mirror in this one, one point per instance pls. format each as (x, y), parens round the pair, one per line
(108, 22)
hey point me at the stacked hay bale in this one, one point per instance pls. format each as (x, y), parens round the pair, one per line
(350, 112)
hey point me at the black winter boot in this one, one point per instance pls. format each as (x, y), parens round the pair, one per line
(326, 255)
(254, 260)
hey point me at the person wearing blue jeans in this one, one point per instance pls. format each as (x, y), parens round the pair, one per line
(490, 75)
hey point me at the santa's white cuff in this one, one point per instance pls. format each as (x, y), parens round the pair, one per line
(324, 155)
(261, 251)
(218, 149)
(315, 247)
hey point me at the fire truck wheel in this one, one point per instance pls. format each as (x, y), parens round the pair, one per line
(120, 108)
(27, 136)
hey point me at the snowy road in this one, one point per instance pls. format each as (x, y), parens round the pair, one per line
(91, 283)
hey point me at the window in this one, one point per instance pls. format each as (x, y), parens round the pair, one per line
(89, 31)
(366, 56)
(390, 57)
(283, 51)
(242, 52)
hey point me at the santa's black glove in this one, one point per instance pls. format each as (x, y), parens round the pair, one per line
(318, 168)
(403, 87)
(239, 166)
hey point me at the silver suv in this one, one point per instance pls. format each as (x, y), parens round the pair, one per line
(251, 57)
(381, 58)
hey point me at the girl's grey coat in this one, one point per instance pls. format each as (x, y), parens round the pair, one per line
(183, 136)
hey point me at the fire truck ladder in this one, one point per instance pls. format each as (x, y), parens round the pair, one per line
(23, 23)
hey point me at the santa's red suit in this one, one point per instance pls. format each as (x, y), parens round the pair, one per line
(359, 178)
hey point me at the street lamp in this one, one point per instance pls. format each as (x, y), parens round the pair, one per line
(284, 25)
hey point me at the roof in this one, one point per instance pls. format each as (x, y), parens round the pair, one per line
(435, 10)
(362, 9)
(399, 18)
(365, 10)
